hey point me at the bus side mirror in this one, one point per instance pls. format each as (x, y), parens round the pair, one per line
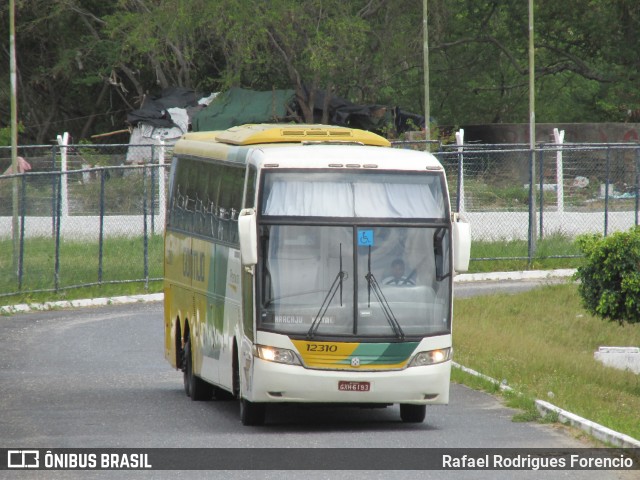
(248, 234)
(461, 245)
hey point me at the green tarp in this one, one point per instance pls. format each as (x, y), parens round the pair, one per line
(239, 106)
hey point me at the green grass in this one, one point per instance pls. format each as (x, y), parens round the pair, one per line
(123, 261)
(542, 343)
(495, 197)
(510, 255)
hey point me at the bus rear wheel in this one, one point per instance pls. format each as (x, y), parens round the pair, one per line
(252, 413)
(194, 386)
(412, 413)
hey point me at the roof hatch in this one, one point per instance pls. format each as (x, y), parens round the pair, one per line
(297, 133)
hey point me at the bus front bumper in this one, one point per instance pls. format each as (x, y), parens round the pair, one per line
(274, 382)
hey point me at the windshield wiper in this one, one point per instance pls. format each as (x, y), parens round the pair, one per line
(335, 286)
(386, 309)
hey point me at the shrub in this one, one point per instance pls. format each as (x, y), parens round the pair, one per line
(610, 277)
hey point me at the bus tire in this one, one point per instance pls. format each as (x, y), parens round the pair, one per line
(235, 387)
(195, 387)
(185, 375)
(252, 414)
(222, 395)
(412, 413)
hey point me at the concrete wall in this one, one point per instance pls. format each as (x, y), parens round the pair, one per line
(622, 358)
(574, 132)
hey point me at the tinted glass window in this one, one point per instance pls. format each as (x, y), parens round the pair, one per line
(206, 199)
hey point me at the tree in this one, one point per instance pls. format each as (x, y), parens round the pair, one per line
(57, 83)
(83, 64)
(164, 44)
(305, 46)
(610, 276)
(480, 58)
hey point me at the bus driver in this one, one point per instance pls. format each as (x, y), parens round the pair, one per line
(397, 276)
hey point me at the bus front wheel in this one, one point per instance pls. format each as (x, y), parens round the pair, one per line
(412, 413)
(252, 413)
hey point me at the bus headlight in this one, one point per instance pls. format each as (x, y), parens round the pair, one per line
(431, 357)
(278, 355)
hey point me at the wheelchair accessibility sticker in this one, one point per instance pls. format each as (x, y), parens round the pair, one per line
(365, 238)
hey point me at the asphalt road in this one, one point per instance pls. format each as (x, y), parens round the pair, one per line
(96, 377)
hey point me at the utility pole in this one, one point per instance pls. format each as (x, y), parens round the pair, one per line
(533, 231)
(427, 106)
(532, 77)
(14, 133)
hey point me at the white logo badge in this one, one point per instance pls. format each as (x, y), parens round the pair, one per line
(23, 459)
(355, 362)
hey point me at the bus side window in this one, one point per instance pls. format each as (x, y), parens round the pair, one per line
(231, 188)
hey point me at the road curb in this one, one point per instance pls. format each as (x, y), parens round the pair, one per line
(596, 430)
(518, 275)
(600, 432)
(88, 302)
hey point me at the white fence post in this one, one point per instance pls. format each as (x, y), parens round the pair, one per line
(161, 189)
(460, 143)
(63, 141)
(559, 140)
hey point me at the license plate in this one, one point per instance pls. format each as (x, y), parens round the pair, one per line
(346, 386)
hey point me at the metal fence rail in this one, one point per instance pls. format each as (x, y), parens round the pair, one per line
(94, 214)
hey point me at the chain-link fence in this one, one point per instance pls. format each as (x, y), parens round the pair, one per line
(539, 201)
(86, 215)
(94, 214)
(577, 189)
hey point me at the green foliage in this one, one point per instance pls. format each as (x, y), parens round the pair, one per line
(5, 135)
(610, 277)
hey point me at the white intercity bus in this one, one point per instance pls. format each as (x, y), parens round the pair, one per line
(310, 264)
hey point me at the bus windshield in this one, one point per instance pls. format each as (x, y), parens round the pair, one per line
(372, 281)
(382, 279)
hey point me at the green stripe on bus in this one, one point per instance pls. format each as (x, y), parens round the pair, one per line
(382, 353)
